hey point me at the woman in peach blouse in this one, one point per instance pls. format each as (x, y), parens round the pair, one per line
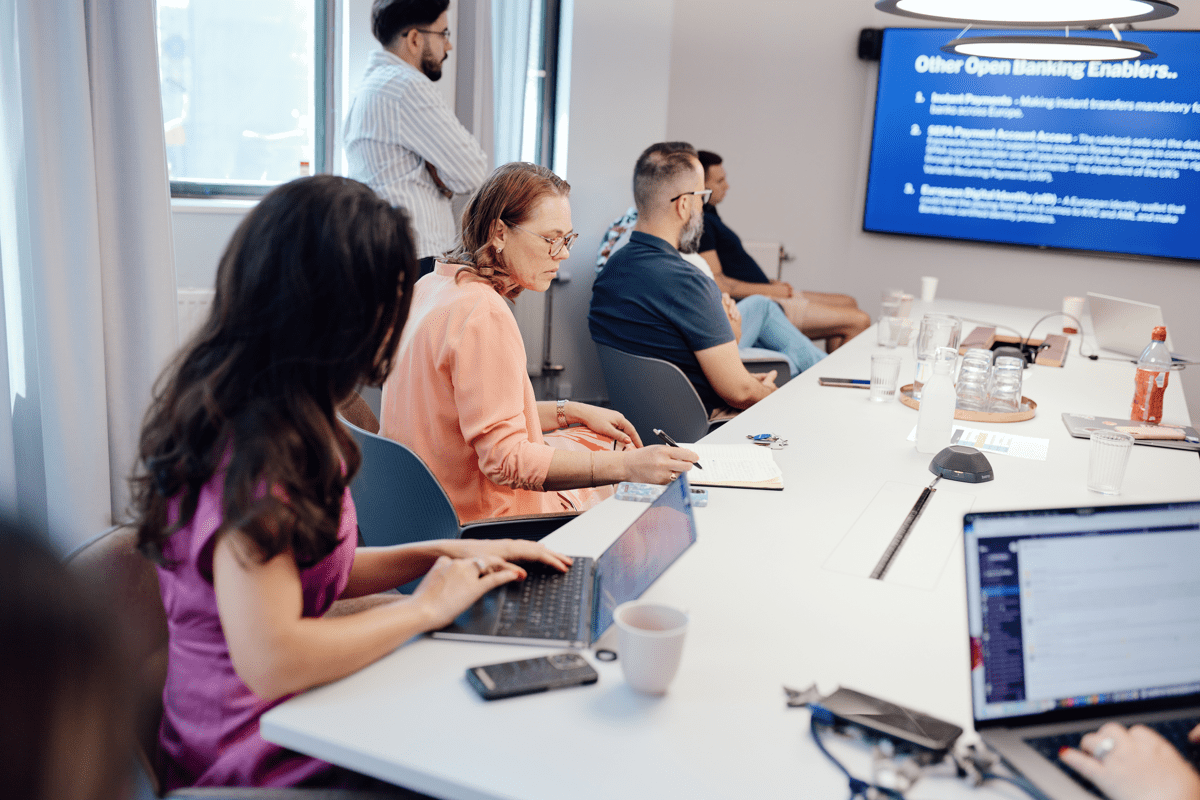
(458, 394)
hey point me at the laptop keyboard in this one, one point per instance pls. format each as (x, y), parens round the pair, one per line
(546, 605)
(1174, 731)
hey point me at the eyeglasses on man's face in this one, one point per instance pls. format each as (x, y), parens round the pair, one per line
(556, 245)
(444, 34)
(704, 194)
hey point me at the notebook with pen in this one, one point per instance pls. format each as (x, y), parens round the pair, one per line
(738, 466)
(574, 609)
(1079, 616)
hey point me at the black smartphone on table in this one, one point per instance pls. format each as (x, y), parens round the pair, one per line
(529, 675)
(903, 726)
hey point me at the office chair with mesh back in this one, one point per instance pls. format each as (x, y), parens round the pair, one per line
(113, 559)
(399, 500)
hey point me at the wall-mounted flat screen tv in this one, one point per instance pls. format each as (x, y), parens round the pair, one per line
(1099, 156)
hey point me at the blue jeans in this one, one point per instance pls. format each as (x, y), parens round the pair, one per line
(765, 325)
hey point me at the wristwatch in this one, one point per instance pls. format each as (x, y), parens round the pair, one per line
(562, 413)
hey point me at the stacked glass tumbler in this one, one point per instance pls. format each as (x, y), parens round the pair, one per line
(984, 386)
(1005, 387)
(973, 379)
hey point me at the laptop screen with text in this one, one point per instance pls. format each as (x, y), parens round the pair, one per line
(1082, 607)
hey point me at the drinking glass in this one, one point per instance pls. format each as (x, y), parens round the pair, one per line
(890, 303)
(971, 388)
(1107, 460)
(893, 331)
(1004, 393)
(885, 375)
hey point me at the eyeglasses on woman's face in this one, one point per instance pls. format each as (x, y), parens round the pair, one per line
(556, 245)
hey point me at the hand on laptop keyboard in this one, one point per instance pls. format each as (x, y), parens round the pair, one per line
(470, 568)
(1141, 764)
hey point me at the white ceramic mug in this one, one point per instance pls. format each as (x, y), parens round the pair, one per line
(650, 638)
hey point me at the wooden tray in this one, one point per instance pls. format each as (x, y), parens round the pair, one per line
(976, 416)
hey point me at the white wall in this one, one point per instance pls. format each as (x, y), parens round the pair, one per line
(620, 68)
(782, 96)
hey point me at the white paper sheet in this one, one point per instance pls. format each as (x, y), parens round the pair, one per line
(1007, 444)
(734, 462)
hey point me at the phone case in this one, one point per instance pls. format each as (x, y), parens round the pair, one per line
(649, 492)
(512, 678)
(903, 726)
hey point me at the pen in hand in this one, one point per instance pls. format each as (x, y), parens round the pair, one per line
(667, 440)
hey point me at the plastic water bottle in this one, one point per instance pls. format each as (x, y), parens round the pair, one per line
(935, 419)
(1151, 382)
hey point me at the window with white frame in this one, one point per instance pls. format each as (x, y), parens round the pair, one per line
(243, 92)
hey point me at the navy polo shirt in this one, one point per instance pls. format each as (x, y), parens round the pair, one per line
(735, 261)
(650, 302)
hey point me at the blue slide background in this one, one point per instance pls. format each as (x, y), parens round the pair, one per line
(899, 158)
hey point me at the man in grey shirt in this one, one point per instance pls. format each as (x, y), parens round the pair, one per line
(401, 138)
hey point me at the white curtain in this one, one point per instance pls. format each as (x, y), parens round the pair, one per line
(473, 103)
(511, 21)
(85, 255)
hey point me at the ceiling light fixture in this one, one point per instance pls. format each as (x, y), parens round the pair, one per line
(1032, 13)
(1049, 48)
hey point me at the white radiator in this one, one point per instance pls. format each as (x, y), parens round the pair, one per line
(192, 310)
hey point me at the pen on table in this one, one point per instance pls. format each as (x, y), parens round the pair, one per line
(672, 443)
(855, 383)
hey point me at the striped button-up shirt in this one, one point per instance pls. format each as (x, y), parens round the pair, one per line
(397, 123)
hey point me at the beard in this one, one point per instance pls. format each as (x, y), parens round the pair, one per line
(430, 65)
(689, 237)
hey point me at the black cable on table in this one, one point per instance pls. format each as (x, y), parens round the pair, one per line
(858, 788)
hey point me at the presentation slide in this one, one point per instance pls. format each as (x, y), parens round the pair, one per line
(1101, 156)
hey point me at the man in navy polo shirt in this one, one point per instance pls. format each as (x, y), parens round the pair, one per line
(649, 301)
(835, 318)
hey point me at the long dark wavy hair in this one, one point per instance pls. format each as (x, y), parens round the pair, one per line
(312, 293)
(509, 195)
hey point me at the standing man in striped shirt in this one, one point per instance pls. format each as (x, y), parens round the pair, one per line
(402, 139)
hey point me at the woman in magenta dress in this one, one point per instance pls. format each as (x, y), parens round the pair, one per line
(242, 494)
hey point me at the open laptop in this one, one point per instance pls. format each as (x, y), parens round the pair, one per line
(1079, 616)
(1124, 326)
(574, 609)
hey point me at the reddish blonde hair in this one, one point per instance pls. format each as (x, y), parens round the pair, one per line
(509, 195)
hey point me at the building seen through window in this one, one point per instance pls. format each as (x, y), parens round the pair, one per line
(239, 89)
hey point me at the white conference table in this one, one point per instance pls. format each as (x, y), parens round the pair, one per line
(775, 598)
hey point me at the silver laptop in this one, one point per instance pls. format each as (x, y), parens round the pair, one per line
(1124, 326)
(575, 609)
(1079, 616)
